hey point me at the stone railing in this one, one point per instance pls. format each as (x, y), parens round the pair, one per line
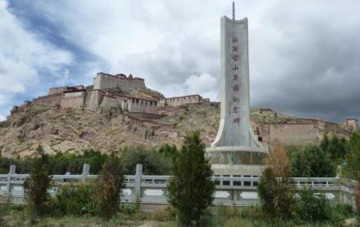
(151, 191)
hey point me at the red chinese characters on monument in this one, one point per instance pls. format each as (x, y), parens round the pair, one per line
(234, 104)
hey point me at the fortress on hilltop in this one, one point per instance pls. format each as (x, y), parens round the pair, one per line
(116, 92)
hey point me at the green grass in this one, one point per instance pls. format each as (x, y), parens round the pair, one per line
(12, 215)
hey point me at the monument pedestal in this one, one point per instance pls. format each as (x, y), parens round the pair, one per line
(237, 160)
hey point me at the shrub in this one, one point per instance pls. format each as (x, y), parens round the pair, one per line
(357, 197)
(312, 207)
(108, 187)
(191, 188)
(312, 162)
(353, 165)
(275, 188)
(168, 151)
(37, 184)
(337, 148)
(267, 191)
(153, 162)
(73, 199)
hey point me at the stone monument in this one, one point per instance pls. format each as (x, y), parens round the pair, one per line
(236, 150)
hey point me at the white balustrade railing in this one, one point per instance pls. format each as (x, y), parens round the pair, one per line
(151, 189)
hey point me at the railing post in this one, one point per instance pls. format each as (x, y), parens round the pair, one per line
(12, 170)
(85, 173)
(138, 176)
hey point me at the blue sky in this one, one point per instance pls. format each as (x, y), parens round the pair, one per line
(303, 54)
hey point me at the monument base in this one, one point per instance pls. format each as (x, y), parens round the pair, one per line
(237, 170)
(237, 160)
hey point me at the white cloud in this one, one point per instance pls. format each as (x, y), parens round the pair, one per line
(174, 45)
(23, 55)
(204, 84)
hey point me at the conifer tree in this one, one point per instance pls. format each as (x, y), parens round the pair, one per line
(353, 165)
(191, 188)
(37, 184)
(108, 187)
(275, 189)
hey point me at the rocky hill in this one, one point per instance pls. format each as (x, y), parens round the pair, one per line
(76, 129)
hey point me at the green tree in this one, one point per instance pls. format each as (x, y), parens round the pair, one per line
(168, 151)
(191, 188)
(95, 159)
(267, 191)
(108, 187)
(153, 162)
(336, 147)
(37, 184)
(353, 165)
(313, 207)
(275, 188)
(312, 162)
(73, 199)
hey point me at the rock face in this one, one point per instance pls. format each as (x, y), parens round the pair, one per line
(75, 129)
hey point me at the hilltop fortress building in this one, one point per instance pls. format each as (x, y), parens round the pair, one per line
(116, 92)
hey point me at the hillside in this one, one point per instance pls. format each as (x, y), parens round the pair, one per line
(75, 129)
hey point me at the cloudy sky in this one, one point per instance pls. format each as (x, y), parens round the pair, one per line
(304, 54)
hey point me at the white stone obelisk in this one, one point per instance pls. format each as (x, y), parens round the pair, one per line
(236, 150)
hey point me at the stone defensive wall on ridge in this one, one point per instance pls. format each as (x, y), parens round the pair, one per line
(304, 132)
(182, 100)
(95, 99)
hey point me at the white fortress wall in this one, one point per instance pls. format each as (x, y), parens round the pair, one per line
(93, 99)
(182, 100)
(60, 90)
(107, 81)
(56, 98)
(141, 105)
(73, 99)
(57, 90)
(108, 102)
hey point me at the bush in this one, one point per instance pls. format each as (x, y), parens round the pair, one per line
(267, 191)
(60, 163)
(73, 199)
(191, 188)
(168, 151)
(338, 148)
(312, 162)
(37, 184)
(353, 164)
(313, 207)
(108, 187)
(275, 188)
(153, 162)
(357, 197)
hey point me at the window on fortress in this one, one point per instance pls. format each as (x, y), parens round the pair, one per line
(137, 100)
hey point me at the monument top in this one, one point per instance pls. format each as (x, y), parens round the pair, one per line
(233, 8)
